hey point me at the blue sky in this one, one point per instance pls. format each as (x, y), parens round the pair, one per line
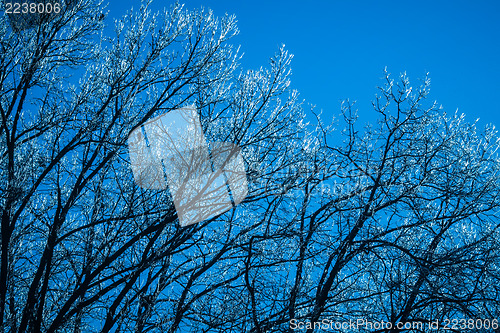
(342, 47)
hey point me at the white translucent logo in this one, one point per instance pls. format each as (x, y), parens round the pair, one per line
(204, 179)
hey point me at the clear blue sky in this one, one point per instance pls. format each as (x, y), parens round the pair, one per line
(342, 47)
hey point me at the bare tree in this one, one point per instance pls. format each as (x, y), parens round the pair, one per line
(395, 222)
(411, 217)
(83, 247)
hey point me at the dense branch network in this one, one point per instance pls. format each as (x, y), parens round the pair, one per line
(394, 222)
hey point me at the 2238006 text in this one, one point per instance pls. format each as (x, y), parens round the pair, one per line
(32, 8)
(470, 324)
